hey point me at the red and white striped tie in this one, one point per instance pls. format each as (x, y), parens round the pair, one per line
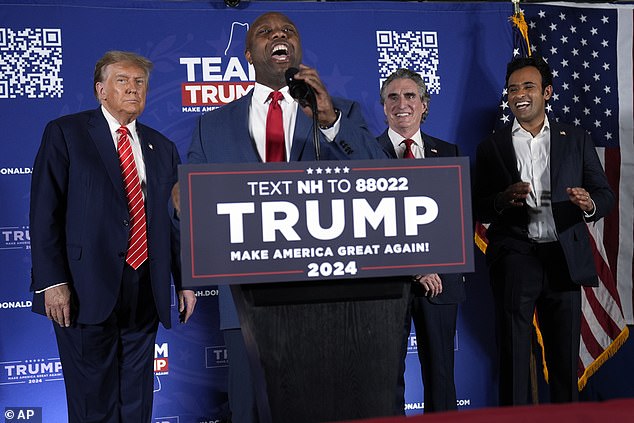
(137, 241)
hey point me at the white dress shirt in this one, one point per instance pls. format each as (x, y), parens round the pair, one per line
(399, 146)
(533, 164)
(114, 125)
(259, 108)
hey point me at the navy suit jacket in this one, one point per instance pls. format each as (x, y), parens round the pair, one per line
(452, 283)
(222, 136)
(573, 163)
(79, 220)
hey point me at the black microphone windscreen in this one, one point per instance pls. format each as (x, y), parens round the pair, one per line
(298, 89)
(289, 74)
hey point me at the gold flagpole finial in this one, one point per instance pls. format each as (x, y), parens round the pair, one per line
(516, 6)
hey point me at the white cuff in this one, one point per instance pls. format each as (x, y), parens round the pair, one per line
(594, 210)
(49, 287)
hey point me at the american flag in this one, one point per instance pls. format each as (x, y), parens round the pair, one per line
(593, 89)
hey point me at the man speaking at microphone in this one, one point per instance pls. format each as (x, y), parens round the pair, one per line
(269, 125)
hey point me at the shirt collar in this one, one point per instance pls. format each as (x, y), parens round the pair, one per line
(397, 138)
(517, 127)
(261, 93)
(114, 125)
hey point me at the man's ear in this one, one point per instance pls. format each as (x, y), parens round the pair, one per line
(99, 90)
(247, 54)
(548, 92)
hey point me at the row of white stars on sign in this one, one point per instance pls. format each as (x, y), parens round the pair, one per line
(328, 170)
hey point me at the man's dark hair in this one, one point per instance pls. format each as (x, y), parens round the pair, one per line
(536, 62)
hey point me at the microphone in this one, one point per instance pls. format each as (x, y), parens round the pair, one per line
(305, 96)
(299, 90)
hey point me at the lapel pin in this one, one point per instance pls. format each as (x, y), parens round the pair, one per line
(562, 132)
(151, 146)
(433, 150)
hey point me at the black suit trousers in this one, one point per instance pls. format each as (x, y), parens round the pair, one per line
(108, 367)
(435, 331)
(536, 278)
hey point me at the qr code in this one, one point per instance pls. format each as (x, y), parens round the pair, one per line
(30, 63)
(414, 50)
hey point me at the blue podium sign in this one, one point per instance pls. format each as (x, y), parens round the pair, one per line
(276, 222)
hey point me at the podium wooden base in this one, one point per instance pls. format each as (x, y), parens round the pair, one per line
(326, 350)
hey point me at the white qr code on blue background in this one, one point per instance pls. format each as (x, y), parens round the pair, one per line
(30, 63)
(414, 50)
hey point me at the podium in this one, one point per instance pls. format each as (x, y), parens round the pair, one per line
(325, 351)
(314, 253)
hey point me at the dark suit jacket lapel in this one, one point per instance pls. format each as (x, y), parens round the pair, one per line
(386, 143)
(302, 136)
(249, 149)
(503, 147)
(429, 146)
(101, 137)
(557, 153)
(149, 160)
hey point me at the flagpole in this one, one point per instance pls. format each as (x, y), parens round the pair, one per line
(520, 23)
(516, 6)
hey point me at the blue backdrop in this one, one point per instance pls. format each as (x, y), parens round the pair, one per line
(47, 57)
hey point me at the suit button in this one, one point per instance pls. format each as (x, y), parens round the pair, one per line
(126, 222)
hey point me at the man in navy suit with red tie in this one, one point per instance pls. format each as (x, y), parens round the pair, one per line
(104, 245)
(239, 132)
(436, 297)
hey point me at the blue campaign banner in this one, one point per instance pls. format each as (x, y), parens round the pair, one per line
(48, 49)
(297, 221)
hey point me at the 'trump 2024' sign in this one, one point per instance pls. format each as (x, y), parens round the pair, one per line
(275, 222)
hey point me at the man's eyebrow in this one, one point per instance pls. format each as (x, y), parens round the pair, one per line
(402, 92)
(522, 83)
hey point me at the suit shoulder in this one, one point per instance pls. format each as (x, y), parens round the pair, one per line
(226, 112)
(343, 104)
(444, 148)
(383, 136)
(567, 129)
(153, 134)
(499, 134)
(74, 119)
(438, 141)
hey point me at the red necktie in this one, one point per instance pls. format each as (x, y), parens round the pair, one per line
(275, 150)
(408, 154)
(137, 241)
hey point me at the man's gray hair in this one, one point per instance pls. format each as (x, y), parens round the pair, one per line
(408, 74)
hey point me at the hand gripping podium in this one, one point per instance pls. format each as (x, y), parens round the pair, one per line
(328, 350)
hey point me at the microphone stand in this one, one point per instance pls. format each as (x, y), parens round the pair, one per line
(313, 106)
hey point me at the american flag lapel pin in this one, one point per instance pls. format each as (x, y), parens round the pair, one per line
(562, 133)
